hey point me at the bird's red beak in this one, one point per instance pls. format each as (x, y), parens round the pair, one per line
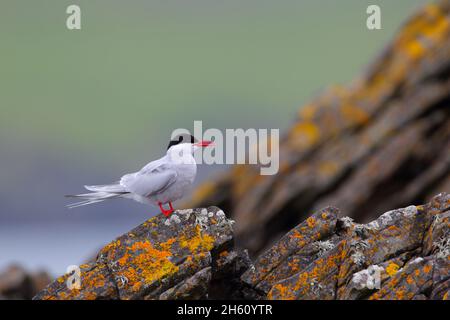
(203, 143)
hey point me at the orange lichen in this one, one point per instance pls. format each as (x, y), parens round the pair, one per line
(427, 268)
(110, 247)
(293, 265)
(400, 293)
(90, 295)
(167, 245)
(299, 237)
(283, 292)
(223, 253)
(415, 49)
(93, 279)
(321, 269)
(393, 228)
(354, 114)
(409, 279)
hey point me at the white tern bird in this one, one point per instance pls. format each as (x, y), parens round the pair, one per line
(160, 182)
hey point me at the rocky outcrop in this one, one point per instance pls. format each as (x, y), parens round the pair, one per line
(18, 283)
(183, 257)
(404, 254)
(382, 142)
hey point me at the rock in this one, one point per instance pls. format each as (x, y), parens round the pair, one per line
(381, 143)
(16, 283)
(296, 250)
(403, 254)
(163, 258)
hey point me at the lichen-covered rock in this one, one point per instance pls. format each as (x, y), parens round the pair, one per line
(404, 254)
(163, 258)
(295, 251)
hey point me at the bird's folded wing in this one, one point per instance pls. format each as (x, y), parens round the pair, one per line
(149, 183)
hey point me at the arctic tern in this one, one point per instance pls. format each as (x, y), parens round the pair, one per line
(160, 182)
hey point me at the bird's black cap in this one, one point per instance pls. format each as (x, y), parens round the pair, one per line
(183, 138)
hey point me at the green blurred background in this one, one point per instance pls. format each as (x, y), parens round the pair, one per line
(84, 107)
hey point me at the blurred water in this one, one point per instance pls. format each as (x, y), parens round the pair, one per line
(54, 247)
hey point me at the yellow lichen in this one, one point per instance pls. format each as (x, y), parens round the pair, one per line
(392, 269)
(144, 264)
(306, 133)
(311, 222)
(198, 242)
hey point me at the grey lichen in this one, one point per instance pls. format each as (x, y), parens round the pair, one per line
(442, 246)
(358, 256)
(323, 247)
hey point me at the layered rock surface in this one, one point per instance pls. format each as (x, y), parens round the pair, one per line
(404, 254)
(176, 258)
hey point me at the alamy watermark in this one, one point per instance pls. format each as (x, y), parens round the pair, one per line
(73, 21)
(373, 21)
(74, 279)
(238, 146)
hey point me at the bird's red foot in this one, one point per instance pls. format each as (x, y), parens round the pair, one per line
(164, 211)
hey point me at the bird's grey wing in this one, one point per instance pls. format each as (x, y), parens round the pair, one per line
(147, 183)
(158, 165)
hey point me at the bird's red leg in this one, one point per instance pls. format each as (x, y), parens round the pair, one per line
(163, 211)
(170, 205)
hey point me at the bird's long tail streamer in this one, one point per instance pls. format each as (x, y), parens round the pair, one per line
(91, 198)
